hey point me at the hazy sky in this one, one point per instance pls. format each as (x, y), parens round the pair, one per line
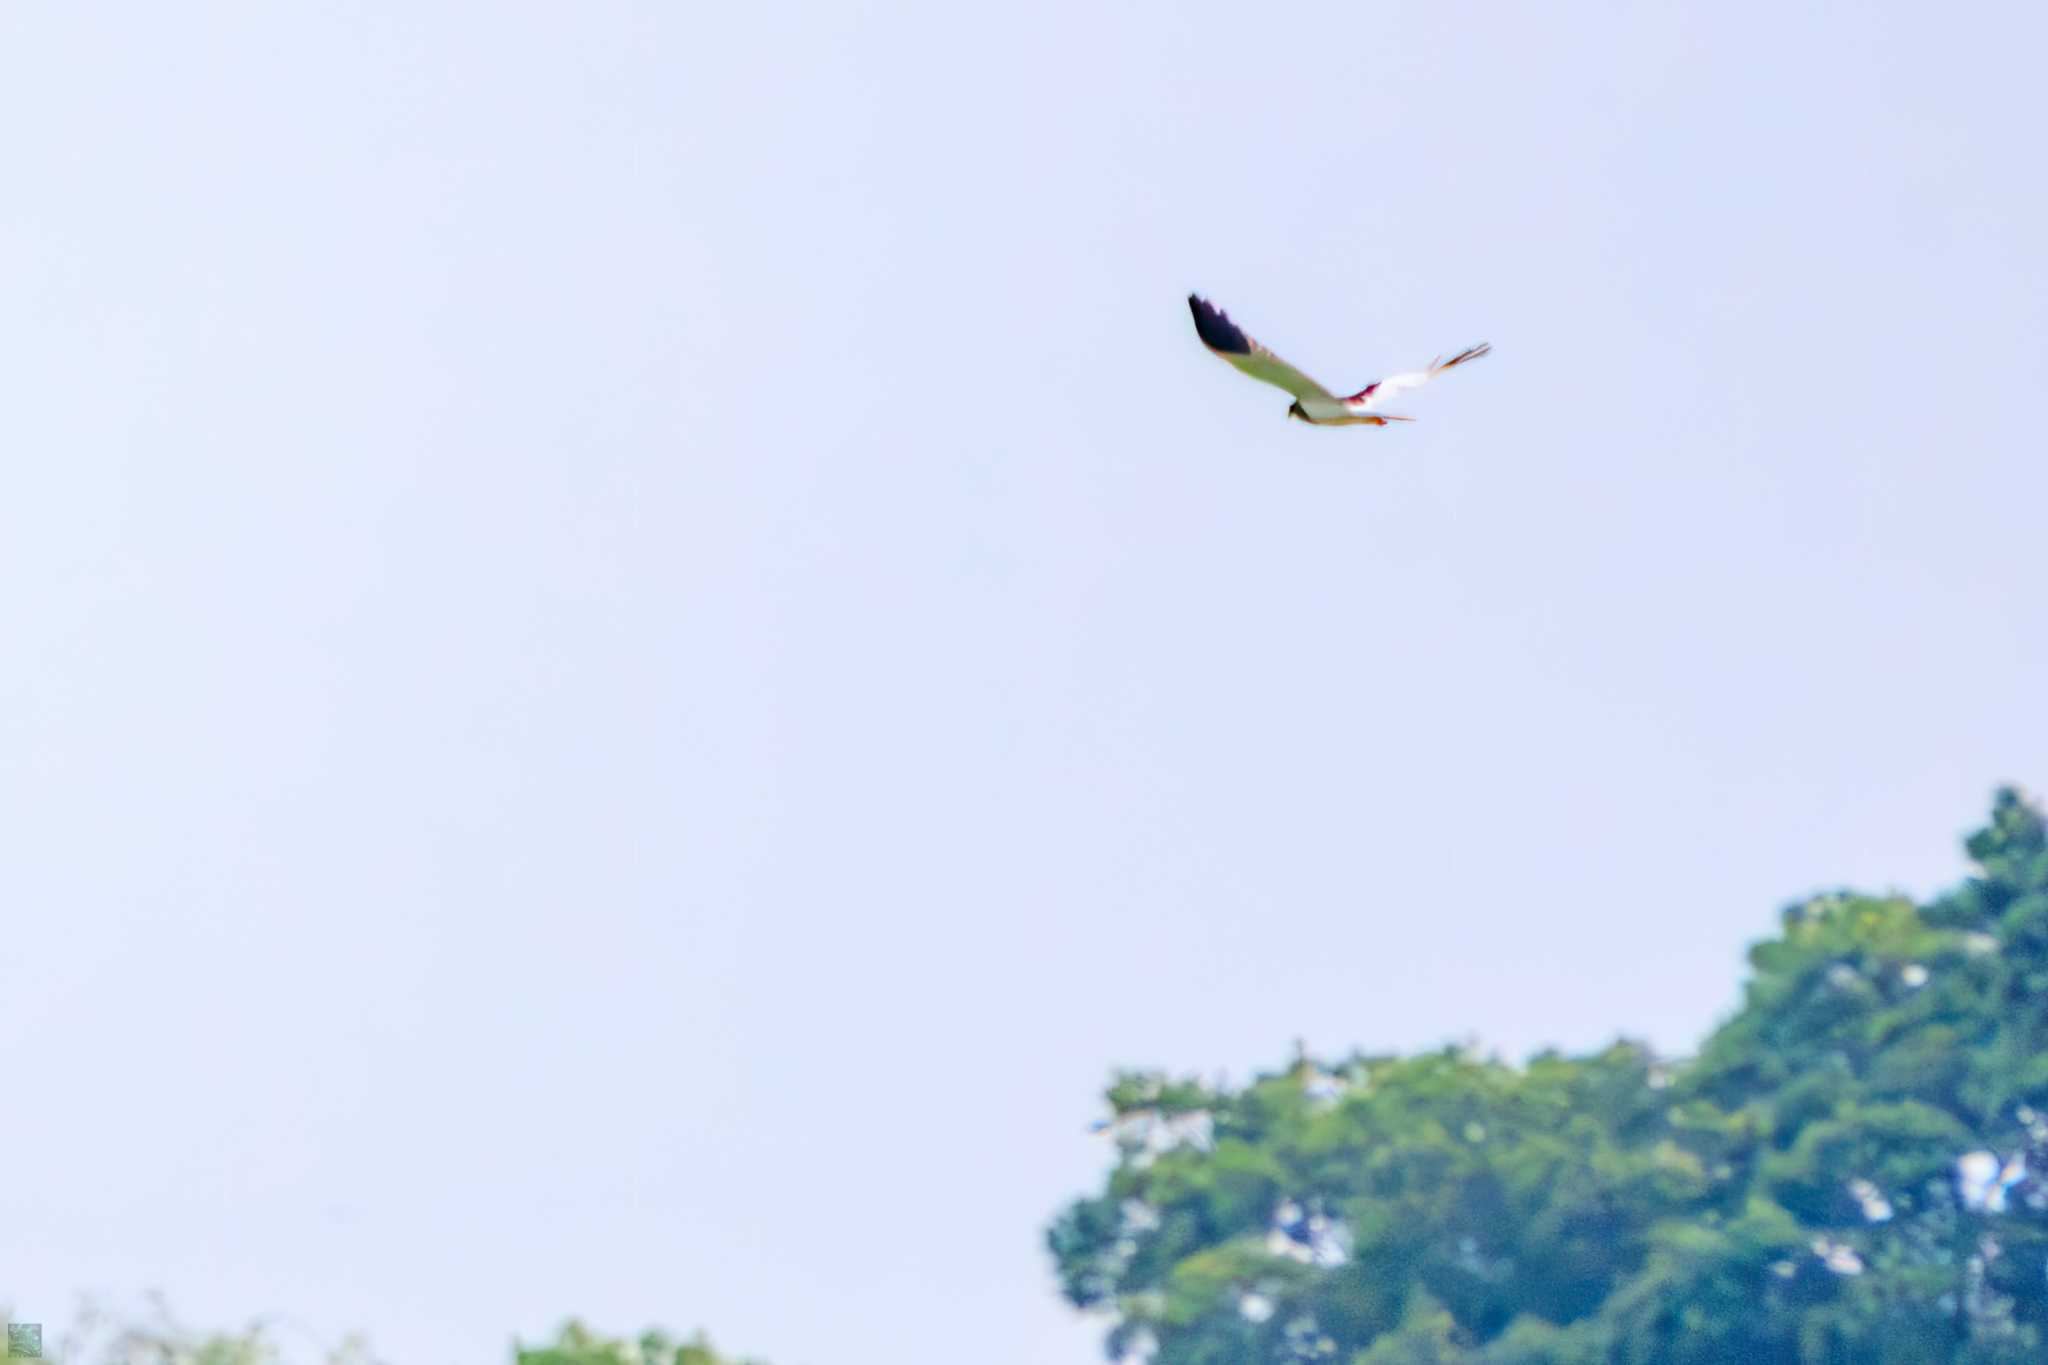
(636, 644)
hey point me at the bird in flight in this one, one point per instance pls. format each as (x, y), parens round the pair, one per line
(1313, 403)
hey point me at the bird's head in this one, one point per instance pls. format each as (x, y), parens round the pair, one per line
(1294, 409)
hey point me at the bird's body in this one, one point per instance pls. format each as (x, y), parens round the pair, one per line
(1313, 403)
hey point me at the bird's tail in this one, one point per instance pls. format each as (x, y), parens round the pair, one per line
(1469, 353)
(1380, 419)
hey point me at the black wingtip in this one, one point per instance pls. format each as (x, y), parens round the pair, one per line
(1216, 329)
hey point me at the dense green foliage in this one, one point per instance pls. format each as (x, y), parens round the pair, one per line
(1844, 1174)
(576, 1344)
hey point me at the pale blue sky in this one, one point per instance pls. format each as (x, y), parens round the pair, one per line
(636, 644)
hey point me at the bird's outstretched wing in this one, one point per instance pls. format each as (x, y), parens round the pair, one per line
(1228, 340)
(1386, 390)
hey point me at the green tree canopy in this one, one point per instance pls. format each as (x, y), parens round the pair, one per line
(1846, 1172)
(156, 1337)
(576, 1344)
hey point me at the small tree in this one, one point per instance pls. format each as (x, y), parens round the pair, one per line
(576, 1344)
